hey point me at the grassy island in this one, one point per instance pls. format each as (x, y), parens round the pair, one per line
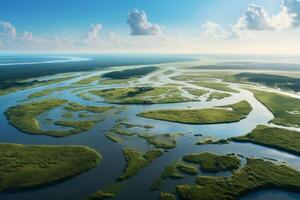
(217, 95)
(48, 91)
(24, 116)
(166, 196)
(254, 176)
(25, 166)
(141, 95)
(106, 193)
(136, 161)
(213, 163)
(164, 141)
(224, 114)
(130, 73)
(72, 106)
(286, 110)
(186, 168)
(216, 86)
(278, 138)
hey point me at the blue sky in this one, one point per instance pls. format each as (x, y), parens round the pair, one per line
(73, 19)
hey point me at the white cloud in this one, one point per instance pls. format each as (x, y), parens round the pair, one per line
(139, 24)
(8, 32)
(93, 35)
(292, 8)
(214, 31)
(255, 18)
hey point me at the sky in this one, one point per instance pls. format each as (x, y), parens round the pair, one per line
(156, 26)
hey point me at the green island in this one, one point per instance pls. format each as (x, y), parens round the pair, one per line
(129, 73)
(116, 81)
(107, 192)
(72, 106)
(271, 80)
(166, 196)
(278, 138)
(141, 95)
(186, 168)
(78, 126)
(222, 114)
(195, 92)
(87, 81)
(211, 140)
(217, 95)
(24, 116)
(213, 163)
(48, 91)
(256, 175)
(286, 110)
(216, 86)
(164, 141)
(26, 166)
(11, 86)
(136, 161)
(171, 171)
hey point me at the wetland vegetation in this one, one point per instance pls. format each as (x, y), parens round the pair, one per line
(225, 114)
(278, 138)
(141, 95)
(286, 109)
(254, 176)
(25, 166)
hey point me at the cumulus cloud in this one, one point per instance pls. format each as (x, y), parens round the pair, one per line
(7, 31)
(93, 35)
(255, 18)
(139, 24)
(292, 9)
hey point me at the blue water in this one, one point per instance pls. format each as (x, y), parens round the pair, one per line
(113, 162)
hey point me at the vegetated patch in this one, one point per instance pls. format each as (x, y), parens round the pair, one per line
(129, 73)
(141, 95)
(210, 140)
(10, 86)
(72, 106)
(86, 81)
(171, 171)
(186, 168)
(278, 138)
(286, 110)
(222, 114)
(48, 91)
(117, 81)
(216, 86)
(256, 175)
(78, 126)
(212, 162)
(195, 92)
(271, 80)
(166, 196)
(107, 192)
(217, 95)
(164, 141)
(25, 166)
(24, 116)
(136, 161)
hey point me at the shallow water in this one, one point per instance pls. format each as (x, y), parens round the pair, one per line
(113, 161)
